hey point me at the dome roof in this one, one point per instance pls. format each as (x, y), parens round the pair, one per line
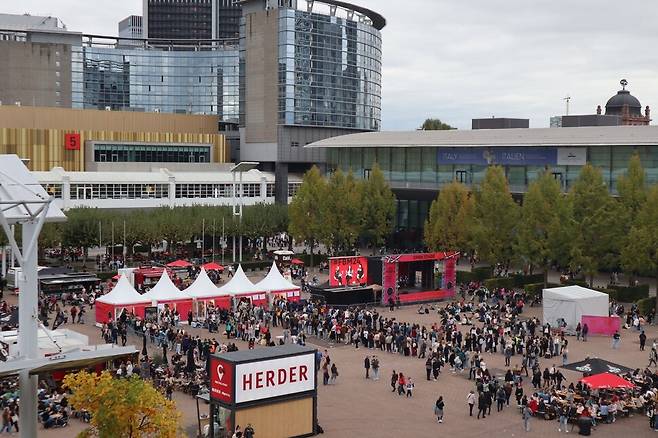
(623, 97)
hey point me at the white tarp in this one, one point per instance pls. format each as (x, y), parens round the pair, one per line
(239, 284)
(275, 282)
(571, 303)
(122, 294)
(165, 290)
(203, 287)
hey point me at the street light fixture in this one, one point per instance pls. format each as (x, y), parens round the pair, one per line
(240, 168)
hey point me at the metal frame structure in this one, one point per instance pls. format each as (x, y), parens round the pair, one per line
(240, 168)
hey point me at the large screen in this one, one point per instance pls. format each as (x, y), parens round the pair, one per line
(348, 271)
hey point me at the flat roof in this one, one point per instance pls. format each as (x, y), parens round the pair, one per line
(259, 354)
(580, 136)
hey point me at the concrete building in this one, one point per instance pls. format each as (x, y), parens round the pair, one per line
(131, 27)
(499, 123)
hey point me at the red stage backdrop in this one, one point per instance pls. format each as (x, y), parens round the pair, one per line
(389, 282)
(348, 271)
(449, 278)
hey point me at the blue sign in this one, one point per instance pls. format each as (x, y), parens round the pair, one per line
(520, 156)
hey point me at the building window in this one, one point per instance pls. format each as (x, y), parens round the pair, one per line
(461, 176)
(54, 190)
(294, 144)
(293, 188)
(271, 190)
(250, 190)
(119, 191)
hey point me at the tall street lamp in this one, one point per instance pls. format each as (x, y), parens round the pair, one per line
(239, 169)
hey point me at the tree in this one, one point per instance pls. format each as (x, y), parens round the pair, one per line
(81, 230)
(340, 213)
(378, 208)
(435, 125)
(450, 223)
(305, 210)
(543, 233)
(495, 219)
(596, 224)
(130, 407)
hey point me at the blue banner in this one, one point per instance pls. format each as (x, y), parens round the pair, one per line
(520, 156)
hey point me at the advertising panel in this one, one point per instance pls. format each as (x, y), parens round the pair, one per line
(532, 156)
(348, 271)
(221, 380)
(389, 281)
(571, 156)
(72, 142)
(274, 378)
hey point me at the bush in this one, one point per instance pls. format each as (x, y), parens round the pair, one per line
(612, 294)
(646, 306)
(630, 294)
(520, 279)
(465, 277)
(582, 283)
(482, 273)
(495, 283)
(104, 276)
(256, 265)
(317, 259)
(534, 289)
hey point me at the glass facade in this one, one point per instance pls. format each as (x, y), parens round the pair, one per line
(145, 153)
(180, 19)
(329, 71)
(420, 165)
(119, 191)
(157, 79)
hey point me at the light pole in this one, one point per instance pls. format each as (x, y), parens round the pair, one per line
(240, 168)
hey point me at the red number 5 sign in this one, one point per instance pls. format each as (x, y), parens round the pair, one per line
(72, 142)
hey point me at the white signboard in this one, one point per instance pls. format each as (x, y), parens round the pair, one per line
(274, 378)
(571, 156)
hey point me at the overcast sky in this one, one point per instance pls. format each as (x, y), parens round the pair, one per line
(457, 60)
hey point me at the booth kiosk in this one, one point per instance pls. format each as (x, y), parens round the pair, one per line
(204, 293)
(277, 286)
(568, 304)
(166, 293)
(274, 389)
(123, 296)
(239, 287)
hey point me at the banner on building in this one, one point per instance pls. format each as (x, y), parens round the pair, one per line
(72, 142)
(348, 271)
(528, 156)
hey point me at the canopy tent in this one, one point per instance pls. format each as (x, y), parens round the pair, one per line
(276, 284)
(606, 381)
(297, 261)
(122, 296)
(570, 303)
(212, 266)
(597, 366)
(166, 292)
(179, 264)
(240, 286)
(204, 291)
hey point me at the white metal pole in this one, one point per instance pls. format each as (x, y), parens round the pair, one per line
(223, 240)
(12, 260)
(241, 193)
(4, 261)
(28, 328)
(125, 250)
(112, 240)
(234, 205)
(203, 238)
(213, 239)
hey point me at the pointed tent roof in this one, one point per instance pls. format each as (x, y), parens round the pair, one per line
(165, 289)
(123, 293)
(274, 281)
(202, 287)
(239, 284)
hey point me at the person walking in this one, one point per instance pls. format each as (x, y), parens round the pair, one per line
(428, 368)
(334, 373)
(500, 399)
(482, 405)
(643, 340)
(616, 340)
(564, 418)
(374, 364)
(401, 384)
(470, 399)
(366, 365)
(653, 357)
(438, 409)
(578, 330)
(394, 380)
(410, 387)
(585, 332)
(527, 413)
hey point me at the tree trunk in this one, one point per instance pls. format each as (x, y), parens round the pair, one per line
(312, 244)
(591, 280)
(545, 277)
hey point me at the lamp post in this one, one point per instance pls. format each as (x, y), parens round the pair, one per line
(240, 168)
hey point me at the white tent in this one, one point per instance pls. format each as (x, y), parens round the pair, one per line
(275, 282)
(165, 290)
(122, 294)
(570, 303)
(203, 287)
(239, 284)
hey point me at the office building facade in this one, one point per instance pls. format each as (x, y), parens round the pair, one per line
(191, 19)
(131, 27)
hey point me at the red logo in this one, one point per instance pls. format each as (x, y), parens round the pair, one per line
(72, 142)
(221, 380)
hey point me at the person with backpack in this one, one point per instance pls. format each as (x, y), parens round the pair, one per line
(374, 364)
(438, 409)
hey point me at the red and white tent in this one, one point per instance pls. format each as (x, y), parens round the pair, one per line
(122, 296)
(166, 292)
(204, 292)
(239, 286)
(276, 284)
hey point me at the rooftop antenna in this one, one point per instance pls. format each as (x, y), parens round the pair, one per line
(623, 83)
(567, 100)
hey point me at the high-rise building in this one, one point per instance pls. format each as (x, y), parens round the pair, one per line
(178, 19)
(226, 14)
(130, 27)
(306, 74)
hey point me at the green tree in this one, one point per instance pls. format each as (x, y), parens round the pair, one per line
(378, 208)
(495, 219)
(305, 210)
(340, 212)
(435, 125)
(450, 223)
(596, 224)
(81, 230)
(543, 233)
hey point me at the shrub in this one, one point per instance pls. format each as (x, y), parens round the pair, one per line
(104, 276)
(630, 294)
(465, 277)
(482, 273)
(495, 283)
(520, 279)
(646, 306)
(534, 289)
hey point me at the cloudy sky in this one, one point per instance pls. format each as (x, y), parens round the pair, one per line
(456, 60)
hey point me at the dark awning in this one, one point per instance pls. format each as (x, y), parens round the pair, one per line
(597, 366)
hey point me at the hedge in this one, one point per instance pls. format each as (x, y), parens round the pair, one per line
(256, 265)
(534, 289)
(482, 273)
(630, 294)
(521, 280)
(104, 276)
(496, 283)
(646, 306)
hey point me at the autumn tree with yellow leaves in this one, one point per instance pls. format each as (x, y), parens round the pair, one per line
(130, 408)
